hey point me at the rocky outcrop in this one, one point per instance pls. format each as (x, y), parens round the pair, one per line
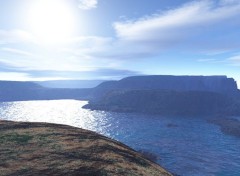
(28, 149)
(229, 126)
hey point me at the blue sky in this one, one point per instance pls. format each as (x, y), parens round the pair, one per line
(111, 39)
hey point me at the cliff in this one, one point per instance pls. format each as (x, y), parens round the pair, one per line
(49, 149)
(168, 95)
(165, 102)
(220, 84)
(20, 91)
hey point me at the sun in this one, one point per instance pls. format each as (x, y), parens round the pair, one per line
(51, 21)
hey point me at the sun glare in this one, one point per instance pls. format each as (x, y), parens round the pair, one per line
(51, 21)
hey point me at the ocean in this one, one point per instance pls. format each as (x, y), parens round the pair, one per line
(187, 146)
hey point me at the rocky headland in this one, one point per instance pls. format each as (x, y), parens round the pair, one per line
(168, 95)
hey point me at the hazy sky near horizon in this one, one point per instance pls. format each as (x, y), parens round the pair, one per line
(111, 39)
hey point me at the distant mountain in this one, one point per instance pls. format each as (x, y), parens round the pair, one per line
(73, 84)
(168, 95)
(14, 90)
(220, 84)
(18, 85)
(21, 91)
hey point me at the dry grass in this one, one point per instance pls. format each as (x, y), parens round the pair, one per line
(48, 149)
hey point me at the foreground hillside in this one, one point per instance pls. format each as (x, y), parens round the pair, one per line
(50, 149)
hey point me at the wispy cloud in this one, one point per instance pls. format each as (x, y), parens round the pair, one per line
(234, 60)
(197, 25)
(207, 60)
(14, 76)
(87, 4)
(100, 73)
(16, 51)
(15, 36)
(89, 44)
(183, 26)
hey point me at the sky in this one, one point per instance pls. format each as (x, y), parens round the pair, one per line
(112, 39)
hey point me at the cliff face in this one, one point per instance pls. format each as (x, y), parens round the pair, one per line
(49, 149)
(20, 91)
(169, 95)
(187, 103)
(177, 83)
(220, 84)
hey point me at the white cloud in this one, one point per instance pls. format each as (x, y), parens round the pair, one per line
(142, 38)
(90, 44)
(224, 2)
(15, 36)
(87, 4)
(16, 51)
(235, 60)
(179, 24)
(20, 76)
(207, 60)
(14, 76)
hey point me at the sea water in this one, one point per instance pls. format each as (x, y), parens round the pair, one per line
(188, 146)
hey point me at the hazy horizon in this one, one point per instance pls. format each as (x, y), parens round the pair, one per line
(103, 80)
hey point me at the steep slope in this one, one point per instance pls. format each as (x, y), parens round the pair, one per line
(167, 102)
(168, 95)
(220, 84)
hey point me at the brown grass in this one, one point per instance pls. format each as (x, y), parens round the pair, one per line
(48, 149)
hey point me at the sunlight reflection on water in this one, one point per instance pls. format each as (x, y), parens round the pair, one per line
(186, 146)
(69, 112)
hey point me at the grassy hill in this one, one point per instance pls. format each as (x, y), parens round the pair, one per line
(50, 149)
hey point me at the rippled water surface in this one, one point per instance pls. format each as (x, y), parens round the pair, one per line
(185, 146)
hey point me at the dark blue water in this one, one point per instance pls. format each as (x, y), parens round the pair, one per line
(185, 146)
